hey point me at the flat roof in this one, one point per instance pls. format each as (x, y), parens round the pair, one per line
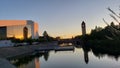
(12, 22)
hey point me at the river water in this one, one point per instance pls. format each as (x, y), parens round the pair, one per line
(78, 58)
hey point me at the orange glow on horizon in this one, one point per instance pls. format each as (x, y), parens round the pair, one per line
(19, 37)
(65, 36)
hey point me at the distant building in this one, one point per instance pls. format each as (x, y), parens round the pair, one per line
(21, 29)
(83, 28)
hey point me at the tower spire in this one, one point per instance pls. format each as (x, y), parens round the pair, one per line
(83, 26)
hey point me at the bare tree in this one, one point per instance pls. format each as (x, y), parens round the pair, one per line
(114, 15)
(113, 12)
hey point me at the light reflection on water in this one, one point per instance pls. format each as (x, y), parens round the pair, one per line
(80, 58)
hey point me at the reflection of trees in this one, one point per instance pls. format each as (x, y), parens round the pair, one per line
(46, 56)
(102, 48)
(86, 49)
(101, 54)
(24, 60)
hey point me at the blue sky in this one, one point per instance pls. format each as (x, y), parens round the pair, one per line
(59, 17)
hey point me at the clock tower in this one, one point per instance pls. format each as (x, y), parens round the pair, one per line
(83, 28)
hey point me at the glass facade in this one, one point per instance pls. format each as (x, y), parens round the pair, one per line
(17, 31)
(36, 35)
(34, 29)
(3, 32)
(15, 28)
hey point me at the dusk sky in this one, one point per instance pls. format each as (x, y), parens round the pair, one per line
(60, 17)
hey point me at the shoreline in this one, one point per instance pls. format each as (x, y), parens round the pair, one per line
(8, 52)
(5, 64)
(11, 52)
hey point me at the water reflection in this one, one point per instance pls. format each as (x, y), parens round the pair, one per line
(96, 52)
(46, 56)
(37, 63)
(38, 60)
(101, 55)
(86, 57)
(86, 50)
(29, 61)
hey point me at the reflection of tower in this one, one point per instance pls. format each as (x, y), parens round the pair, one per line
(83, 28)
(86, 56)
(37, 63)
(86, 49)
(25, 32)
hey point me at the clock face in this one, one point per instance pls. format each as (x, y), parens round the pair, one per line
(83, 25)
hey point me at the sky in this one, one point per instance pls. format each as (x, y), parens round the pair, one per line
(60, 17)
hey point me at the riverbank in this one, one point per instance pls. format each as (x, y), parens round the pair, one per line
(11, 52)
(8, 52)
(5, 64)
(111, 47)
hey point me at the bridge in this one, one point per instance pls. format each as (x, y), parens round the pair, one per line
(67, 41)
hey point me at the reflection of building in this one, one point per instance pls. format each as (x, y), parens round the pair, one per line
(37, 63)
(83, 28)
(15, 28)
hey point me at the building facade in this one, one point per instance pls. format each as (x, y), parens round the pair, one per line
(83, 25)
(21, 29)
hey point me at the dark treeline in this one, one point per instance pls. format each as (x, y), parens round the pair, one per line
(110, 32)
(103, 40)
(44, 38)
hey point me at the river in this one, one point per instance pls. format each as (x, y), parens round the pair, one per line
(78, 58)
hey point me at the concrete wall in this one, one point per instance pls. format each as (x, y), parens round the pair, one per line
(6, 43)
(34, 29)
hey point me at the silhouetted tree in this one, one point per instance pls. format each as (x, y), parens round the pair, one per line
(110, 32)
(45, 35)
